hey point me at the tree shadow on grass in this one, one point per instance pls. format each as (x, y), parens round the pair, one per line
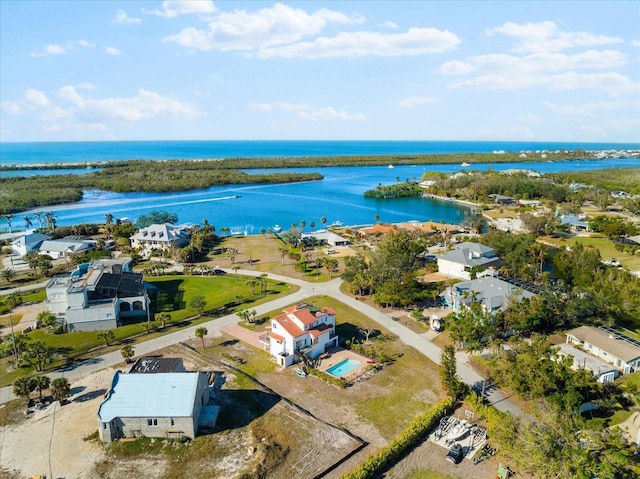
(241, 407)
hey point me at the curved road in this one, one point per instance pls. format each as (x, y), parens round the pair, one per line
(330, 288)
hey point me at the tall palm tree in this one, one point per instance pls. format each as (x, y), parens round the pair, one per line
(108, 219)
(8, 217)
(41, 383)
(323, 220)
(50, 219)
(38, 215)
(201, 333)
(28, 223)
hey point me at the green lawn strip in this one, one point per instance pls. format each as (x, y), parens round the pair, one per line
(218, 292)
(228, 292)
(605, 246)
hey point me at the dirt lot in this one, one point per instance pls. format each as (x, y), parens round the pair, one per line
(251, 432)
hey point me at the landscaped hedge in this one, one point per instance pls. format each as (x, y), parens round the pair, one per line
(412, 434)
(341, 383)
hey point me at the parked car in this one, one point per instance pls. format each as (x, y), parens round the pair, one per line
(219, 271)
(455, 454)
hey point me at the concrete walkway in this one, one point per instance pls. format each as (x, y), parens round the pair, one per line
(329, 288)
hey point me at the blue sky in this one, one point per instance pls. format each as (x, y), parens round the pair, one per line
(203, 70)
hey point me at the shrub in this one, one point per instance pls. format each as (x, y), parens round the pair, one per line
(375, 463)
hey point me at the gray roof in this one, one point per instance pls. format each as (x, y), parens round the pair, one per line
(609, 341)
(492, 292)
(150, 364)
(60, 246)
(584, 360)
(573, 220)
(150, 395)
(471, 254)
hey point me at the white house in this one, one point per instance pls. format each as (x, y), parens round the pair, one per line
(460, 261)
(97, 295)
(160, 236)
(492, 292)
(28, 243)
(156, 405)
(302, 329)
(62, 248)
(609, 345)
(324, 237)
(603, 372)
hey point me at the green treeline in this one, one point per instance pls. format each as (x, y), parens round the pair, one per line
(23, 193)
(318, 161)
(409, 189)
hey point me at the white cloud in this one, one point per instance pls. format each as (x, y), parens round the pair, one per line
(36, 98)
(546, 36)
(416, 100)
(86, 86)
(307, 112)
(416, 41)
(591, 109)
(553, 70)
(122, 17)
(12, 107)
(635, 43)
(528, 118)
(242, 30)
(51, 49)
(112, 51)
(173, 8)
(456, 68)
(389, 24)
(85, 43)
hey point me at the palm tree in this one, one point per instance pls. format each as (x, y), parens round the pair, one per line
(41, 383)
(108, 219)
(303, 223)
(50, 219)
(164, 318)
(106, 336)
(8, 217)
(323, 220)
(252, 284)
(23, 387)
(127, 353)
(263, 284)
(235, 270)
(28, 223)
(201, 333)
(60, 389)
(38, 215)
(312, 224)
(376, 218)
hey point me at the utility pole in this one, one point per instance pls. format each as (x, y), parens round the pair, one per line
(13, 337)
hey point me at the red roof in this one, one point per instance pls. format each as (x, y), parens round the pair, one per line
(289, 326)
(320, 329)
(275, 336)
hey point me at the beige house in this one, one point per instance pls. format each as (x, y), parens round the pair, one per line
(162, 236)
(609, 345)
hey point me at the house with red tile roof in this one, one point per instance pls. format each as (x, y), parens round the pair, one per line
(302, 329)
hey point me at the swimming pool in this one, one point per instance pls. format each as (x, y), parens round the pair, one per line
(343, 367)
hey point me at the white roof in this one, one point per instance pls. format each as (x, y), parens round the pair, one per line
(165, 232)
(150, 395)
(60, 246)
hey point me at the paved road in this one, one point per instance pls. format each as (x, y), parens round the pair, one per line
(330, 288)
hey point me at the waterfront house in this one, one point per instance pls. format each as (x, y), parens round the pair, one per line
(97, 295)
(62, 248)
(609, 345)
(504, 200)
(302, 329)
(574, 223)
(324, 237)
(377, 230)
(160, 236)
(167, 405)
(28, 243)
(467, 256)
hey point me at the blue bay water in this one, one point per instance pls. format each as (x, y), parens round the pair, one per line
(338, 197)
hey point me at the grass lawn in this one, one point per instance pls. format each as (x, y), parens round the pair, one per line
(31, 297)
(219, 292)
(604, 245)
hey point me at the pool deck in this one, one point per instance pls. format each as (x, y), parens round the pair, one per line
(471, 443)
(337, 355)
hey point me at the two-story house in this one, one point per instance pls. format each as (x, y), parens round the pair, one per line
(163, 236)
(302, 329)
(461, 261)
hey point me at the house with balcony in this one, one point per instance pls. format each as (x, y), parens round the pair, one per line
(466, 258)
(302, 329)
(28, 243)
(160, 236)
(609, 345)
(97, 295)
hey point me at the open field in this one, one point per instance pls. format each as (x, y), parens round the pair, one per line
(605, 246)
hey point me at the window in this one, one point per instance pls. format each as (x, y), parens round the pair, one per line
(152, 422)
(104, 425)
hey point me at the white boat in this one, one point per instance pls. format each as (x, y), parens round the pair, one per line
(337, 224)
(390, 166)
(459, 430)
(464, 163)
(276, 229)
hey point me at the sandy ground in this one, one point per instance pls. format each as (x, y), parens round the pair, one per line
(28, 313)
(50, 441)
